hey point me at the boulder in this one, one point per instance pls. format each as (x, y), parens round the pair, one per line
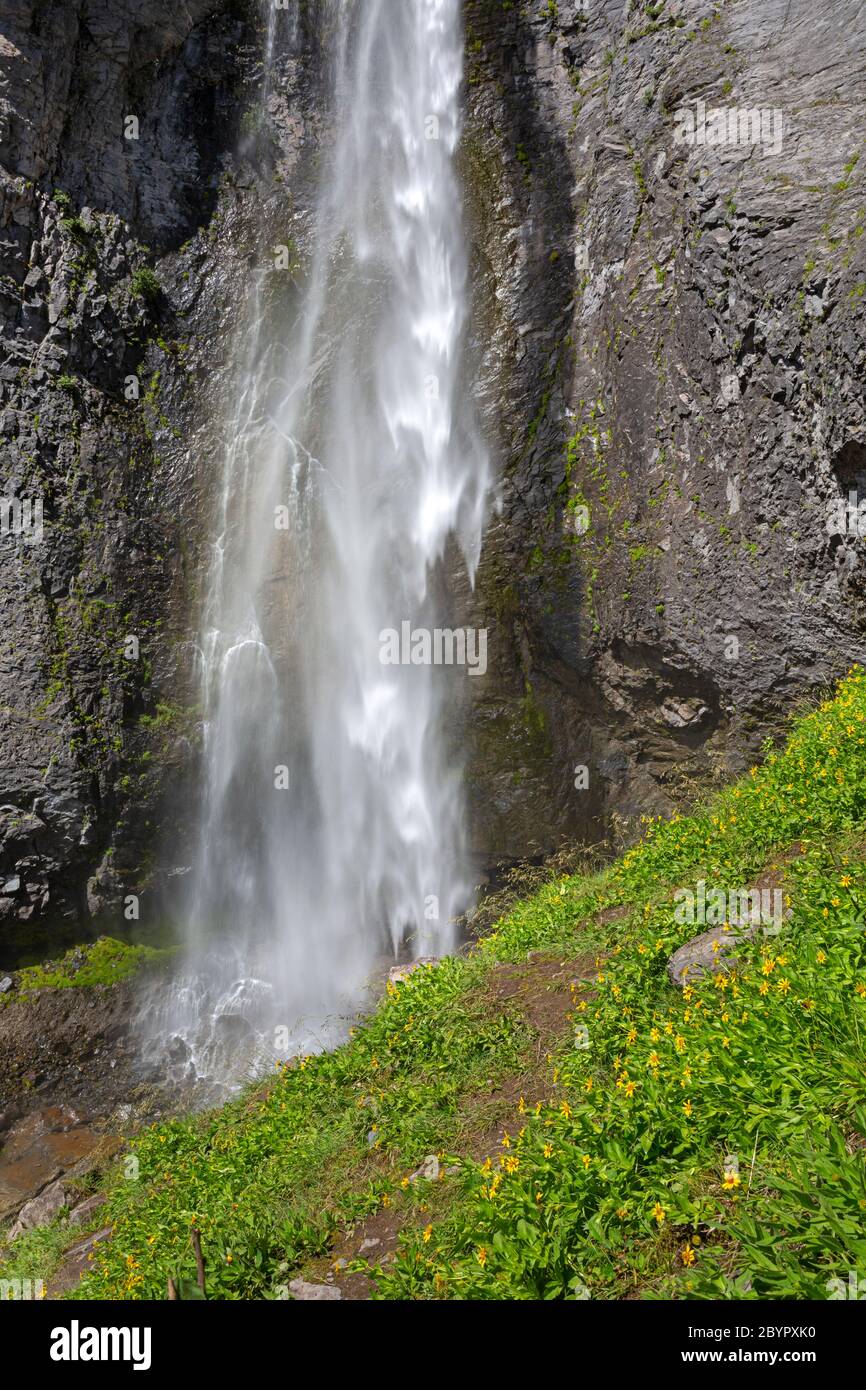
(86, 1208)
(312, 1293)
(398, 973)
(707, 954)
(39, 1211)
(429, 1170)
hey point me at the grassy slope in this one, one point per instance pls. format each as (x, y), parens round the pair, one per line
(611, 1179)
(101, 962)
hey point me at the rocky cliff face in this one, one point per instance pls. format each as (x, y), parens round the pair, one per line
(670, 341)
(113, 120)
(673, 340)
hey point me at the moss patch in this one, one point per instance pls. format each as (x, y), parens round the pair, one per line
(101, 962)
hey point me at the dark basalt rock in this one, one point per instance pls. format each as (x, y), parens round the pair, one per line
(116, 292)
(670, 337)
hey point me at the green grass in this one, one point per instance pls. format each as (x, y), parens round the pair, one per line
(38, 1249)
(707, 1143)
(145, 285)
(101, 962)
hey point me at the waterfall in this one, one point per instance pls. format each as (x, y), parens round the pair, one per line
(332, 821)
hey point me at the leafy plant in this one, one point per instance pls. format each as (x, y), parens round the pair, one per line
(145, 284)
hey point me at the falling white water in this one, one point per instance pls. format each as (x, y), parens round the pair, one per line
(351, 466)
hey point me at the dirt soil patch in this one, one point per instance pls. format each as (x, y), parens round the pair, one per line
(544, 991)
(69, 1041)
(69, 1087)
